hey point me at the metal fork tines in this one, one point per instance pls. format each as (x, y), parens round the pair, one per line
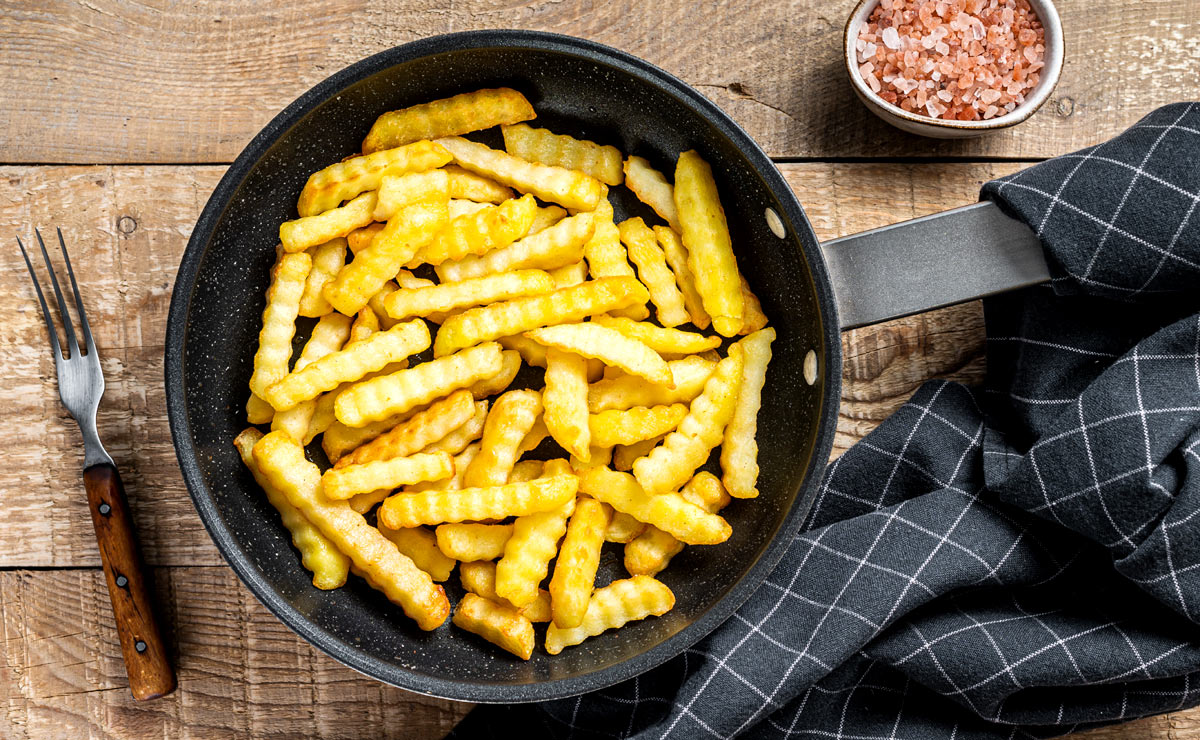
(80, 379)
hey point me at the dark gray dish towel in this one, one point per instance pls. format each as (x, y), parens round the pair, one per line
(1020, 560)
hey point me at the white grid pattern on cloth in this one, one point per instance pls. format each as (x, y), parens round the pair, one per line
(958, 581)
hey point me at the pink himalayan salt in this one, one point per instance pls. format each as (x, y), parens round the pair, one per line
(958, 60)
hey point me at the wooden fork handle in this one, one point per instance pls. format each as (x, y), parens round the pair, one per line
(146, 663)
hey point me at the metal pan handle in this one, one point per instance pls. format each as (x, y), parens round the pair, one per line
(930, 262)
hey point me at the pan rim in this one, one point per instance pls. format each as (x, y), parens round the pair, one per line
(204, 498)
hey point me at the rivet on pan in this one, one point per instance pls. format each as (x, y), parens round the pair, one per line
(775, 224)
(139, 646)
(810, 367)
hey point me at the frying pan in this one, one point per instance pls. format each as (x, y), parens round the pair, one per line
(584, 89)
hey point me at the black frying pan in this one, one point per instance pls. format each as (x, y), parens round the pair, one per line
(587, 90)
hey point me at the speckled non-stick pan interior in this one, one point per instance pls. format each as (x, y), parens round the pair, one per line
(577, 88)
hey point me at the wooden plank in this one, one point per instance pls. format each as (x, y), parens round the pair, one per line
(128, 227)
(241, 672)
(106, 81)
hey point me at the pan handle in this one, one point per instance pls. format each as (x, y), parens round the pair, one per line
(930, 262)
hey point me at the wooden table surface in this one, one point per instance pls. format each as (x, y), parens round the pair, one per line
(116, 121)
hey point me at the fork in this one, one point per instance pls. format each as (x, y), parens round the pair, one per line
(80, 385)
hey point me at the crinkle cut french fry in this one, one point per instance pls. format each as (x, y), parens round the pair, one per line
(754, 318)
(512, 416)
(366, 323)
(558, 245)
(627, 391)
(637, 424)
(500, 625)
(485, 230)
(466, 185)
(597, 456)
(327, 260)
(361, 238)
(578, 559)
(609, 346)
(507, 318)
(672, 463)
(528, 553)
(477, 504)
(327, 188)
(409, 230)
(340, 439)
(565, 398)
(409, 281)
(351, 363)
(624, 455)
(606, 256)
(309, 231)
(258, 411)
(536, 435)
(420, 545)
(623, 527)
(398, 191)
(279, 321)
(568, 275)
(546, 217)
(652, 269)
(479, 578)
(460, 207)
(659, 339)
(615, 605)
(473, 541)
(530, 351)
(376, 305)
(739, 451)
(381, 397)
(460, 114)
(650, 552)
(526, 470)
(560, 150)
(510, 366)
(651, 187)
(418, 432)
(567, 188)
(454, 483)
(329, 334)
(677, 258)
(281, 460)
(668, 511)
(351, 480)
(459, 438)
(474, 292)
(317, 554)
(705, 234)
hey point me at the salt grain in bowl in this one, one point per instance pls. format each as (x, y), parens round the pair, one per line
(958, 60)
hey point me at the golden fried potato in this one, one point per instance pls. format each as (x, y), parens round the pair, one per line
(567, 188)
(466, 185)
(420, 545)
(476, 504)
(467, 542)
(633, 425)
(739, 450)
(624, 455)
(454, 483)
(351, 480)
(528, 553)
(327, 260)
(677, 258)
(460, 114)
(419, 431)
(279, 321)
(651, 187)
(615, 605)
(663, 341)
(479, 578)
(328, 336)
(258, 411)
(397, 191)
(578, 559)
(667, 511)
(568, 275)
(754, 318)
(309, 231)
(622, 527)
(318, 554)
(705, 234)
(565, 398)
(650, 552)
(510, 366)
(379, 398)
(479, 232)
(626, 391)
(609, 346)
(500, 625)
(558, 245)
(546, 217)
(458, 439)
(672, 463)
(652, 269)
(327, 188)
(512, 416)
(281, 460)
(472, 292)
(361, 238)
(507, 318)
(540, 145)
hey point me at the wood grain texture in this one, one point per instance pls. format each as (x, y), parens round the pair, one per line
(108, 81)
(241, 672)
(127, 228)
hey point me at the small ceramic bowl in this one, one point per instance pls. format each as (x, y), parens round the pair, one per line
(916, 123)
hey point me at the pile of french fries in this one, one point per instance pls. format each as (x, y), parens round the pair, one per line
(428, 458)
